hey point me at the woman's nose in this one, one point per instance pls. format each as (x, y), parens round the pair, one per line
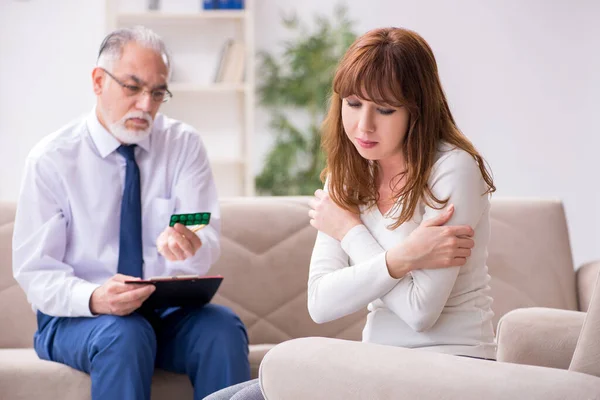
(366, 123)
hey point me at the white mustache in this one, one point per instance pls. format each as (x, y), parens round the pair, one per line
(138, 114)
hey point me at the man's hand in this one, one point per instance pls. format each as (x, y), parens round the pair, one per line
(432, 246)
(329, 218)
(119, 298)
(178, 243)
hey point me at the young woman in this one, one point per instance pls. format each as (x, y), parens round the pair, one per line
(397, 167)
(404, 217)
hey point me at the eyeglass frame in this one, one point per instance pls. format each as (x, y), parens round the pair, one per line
(140, 90)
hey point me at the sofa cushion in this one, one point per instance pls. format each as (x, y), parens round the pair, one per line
(16, 317)
(257, 353)
(330, 369)
(586, 358)
(24, 376)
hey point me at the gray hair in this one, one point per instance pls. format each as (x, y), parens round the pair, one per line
(111, 48)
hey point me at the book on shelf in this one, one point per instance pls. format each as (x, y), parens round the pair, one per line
(232, 63)
(223, 4)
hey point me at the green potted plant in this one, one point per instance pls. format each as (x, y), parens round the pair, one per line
(298, 81)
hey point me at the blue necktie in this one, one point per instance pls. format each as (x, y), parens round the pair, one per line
(130, 236)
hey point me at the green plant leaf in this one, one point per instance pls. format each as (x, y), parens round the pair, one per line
(297, 81)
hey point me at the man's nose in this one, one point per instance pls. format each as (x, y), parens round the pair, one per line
(144, 101)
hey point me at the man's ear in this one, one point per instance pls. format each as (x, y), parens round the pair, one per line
(98, 77)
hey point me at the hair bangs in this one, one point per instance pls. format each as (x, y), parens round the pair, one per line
(372, 75)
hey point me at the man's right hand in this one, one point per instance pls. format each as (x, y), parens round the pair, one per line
(432, 246)
(119, 298)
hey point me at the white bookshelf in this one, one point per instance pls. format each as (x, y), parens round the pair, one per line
(222, 113)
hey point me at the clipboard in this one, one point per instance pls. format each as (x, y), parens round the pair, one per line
(181, 291)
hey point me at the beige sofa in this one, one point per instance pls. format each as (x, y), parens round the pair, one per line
(266, 247)
(530, 267)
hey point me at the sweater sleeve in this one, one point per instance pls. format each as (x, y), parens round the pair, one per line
(419, 297)
(336, 289)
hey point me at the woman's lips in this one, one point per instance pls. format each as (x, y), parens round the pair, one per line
(366, 144)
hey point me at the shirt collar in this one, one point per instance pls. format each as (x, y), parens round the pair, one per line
(104, 141)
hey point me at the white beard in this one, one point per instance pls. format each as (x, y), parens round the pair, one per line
(131, 136)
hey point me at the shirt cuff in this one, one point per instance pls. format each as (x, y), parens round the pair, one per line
(201, 254)
(80, 299)
(202, 236)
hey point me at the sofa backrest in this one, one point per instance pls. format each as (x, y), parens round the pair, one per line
(530, 258)
(265, 252)
(266, 247)
(267, 244)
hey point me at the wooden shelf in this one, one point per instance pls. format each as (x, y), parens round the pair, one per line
(178, 87)
(158, 16)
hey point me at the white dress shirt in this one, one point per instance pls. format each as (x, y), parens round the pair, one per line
(66, 236)
(446, 310)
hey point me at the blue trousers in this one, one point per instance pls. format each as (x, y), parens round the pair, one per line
(209, 344)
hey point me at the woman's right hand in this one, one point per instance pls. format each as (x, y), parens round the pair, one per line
(432, 246)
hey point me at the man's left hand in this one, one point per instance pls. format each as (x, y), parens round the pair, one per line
(178, 243)
(330, 218)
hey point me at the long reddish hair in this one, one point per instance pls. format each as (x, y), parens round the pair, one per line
(395, 67)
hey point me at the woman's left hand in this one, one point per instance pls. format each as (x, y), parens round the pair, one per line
(330, 218)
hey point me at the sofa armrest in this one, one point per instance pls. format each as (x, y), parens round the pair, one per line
(324, 368)
(539, 336)
(586, 278)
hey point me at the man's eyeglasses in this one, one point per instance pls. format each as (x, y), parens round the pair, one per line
(157, 95)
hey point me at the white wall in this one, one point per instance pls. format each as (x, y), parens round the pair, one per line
(47, 52)
(520, 77)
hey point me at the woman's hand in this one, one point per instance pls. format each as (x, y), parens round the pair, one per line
(329, 218)
(432, 246)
